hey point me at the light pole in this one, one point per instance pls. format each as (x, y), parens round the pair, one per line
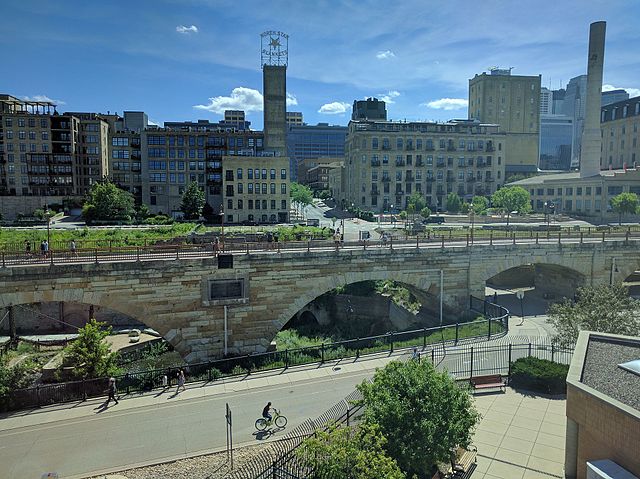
(222, 225)
(472, 214)
(46, 212)
(391, 214)
(614, 269)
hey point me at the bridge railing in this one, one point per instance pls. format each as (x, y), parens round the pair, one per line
(17, 257)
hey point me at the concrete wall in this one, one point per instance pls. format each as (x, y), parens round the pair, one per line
(11, 206)
(171, 295)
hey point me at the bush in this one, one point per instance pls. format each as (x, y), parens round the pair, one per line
(539, 375)
(215, 374)
(238, 371)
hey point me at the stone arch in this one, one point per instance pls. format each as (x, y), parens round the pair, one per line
(511, 261)
(105, 300)
(417, 280)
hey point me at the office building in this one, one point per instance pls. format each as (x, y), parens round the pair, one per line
(386, 162)
(318, 176)
(556, 135)
(614, 96)
(337, 179)
(305, 142)
(294, 118)
(546, 101)
(256, 189)
(369, 109)
(620, 138)
(513, 103)
(573, 106)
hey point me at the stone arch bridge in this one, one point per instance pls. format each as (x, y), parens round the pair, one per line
(189, 301)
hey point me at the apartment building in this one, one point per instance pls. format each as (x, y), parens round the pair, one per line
(92, 154)
(294, 118)
(256, 189)
(513, 102)
(386, 162)
(185, 152)
(620, 143)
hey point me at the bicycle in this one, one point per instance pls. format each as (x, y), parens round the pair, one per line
(278, 419)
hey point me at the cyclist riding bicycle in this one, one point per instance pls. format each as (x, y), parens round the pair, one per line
(265, 412)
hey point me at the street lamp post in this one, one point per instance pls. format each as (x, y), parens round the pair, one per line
(391, 213)
(472, 214)
(222, 226)
(46, 212)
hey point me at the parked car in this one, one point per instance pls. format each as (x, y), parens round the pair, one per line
(433, 220)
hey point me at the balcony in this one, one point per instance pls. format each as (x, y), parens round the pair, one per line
(471, 179)
(386, 179)
(399, 192)
(409, 148)
(419, 163)
(136, 155)
(429, 148)
(489, 179)
(430, 179)
(481, 164)
(400, 163)
(375, 163)
(375, 192)
(490, 147)
(451, 147)
(386, 147)
(409, 177)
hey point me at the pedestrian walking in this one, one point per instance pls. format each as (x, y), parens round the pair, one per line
(72, 247)
(46, 248)
(42, 250)
(415, 356)
(165, 381)
(181, 380)
(112, 390)
(27, 247)
(216, 245)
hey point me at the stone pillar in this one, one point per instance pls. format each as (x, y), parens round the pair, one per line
(591, 137)
(571, 450)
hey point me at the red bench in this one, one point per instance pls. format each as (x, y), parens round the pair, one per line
(491, 381)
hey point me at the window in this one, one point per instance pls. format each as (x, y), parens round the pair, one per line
(283, 204)
(118, 141)
(283, 174)
(374, 143)
(273, 204)
(399, 143)
(264, 173)
(283, 188)
(239, 173)
(250, 174)
(264, 188)
(250, 188)
(272, 174)
(240, 188)
(272, 188)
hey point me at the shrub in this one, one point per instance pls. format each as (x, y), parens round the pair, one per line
(539, 375)
(215, 374)
(238, 371)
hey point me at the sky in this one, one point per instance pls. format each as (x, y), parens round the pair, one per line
(181, 60)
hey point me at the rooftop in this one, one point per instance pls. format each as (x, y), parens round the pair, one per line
(568, 176)
(601, 369)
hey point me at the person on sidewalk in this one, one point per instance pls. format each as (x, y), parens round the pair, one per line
(181, 381)
(72, 247)
(112, 391)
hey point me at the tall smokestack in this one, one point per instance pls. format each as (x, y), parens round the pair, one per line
(591, 137)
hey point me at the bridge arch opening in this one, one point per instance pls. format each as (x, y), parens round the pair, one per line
(539, 285)
(367, 308)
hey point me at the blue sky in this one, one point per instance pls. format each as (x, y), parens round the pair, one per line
(169, 57)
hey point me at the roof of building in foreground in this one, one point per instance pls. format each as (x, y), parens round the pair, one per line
(600, 367)
(573, 176)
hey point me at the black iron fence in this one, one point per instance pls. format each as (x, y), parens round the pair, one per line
(491, 327)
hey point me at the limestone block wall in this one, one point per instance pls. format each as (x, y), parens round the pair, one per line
(171, 295)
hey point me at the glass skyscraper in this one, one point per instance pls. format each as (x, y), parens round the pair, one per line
(310, 142)
(556, 133)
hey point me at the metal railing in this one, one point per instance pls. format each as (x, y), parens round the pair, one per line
(12, 258)
(47, 394)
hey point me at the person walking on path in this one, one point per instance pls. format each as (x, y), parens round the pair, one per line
(112, 391)
(216, 246)
(181, 380)
(46, 248)
(27, 247)
(42, 250)
(72, 247)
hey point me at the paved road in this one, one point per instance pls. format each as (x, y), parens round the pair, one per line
(178, 427)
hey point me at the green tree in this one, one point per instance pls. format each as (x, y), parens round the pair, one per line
(421, 412)
(606, 309)
(425, 212)
(192, 201)
(208, 213)
(106, 202)
(480, 205)
(90, 354)
(417, 201)
(142, 212)
(354, 453)
(454, 203)
(512, 198)
(301, 195)
(624, 203)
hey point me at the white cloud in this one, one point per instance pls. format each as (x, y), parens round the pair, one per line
(334, 108)
(291, 99)
(385, 55)
(186, 30)
(389, 96)
(633, 92)
(447, 104)
(43, 98)
(241, 98)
